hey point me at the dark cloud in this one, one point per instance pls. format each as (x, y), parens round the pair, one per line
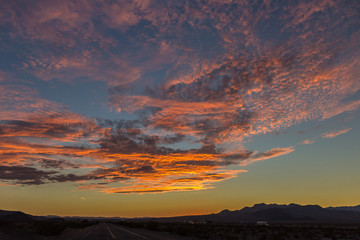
(143, 169)
(24, 175)
(237, 158)
(132, 140)
(114, 172)
(171, 139)
(32, 176)
(64, 126)
(59, 164)
(159, 190)
(72, 178)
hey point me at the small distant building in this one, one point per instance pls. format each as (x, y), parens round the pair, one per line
(195, 222)
(262, 223)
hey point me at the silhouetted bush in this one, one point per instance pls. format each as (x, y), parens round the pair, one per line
(47, 227)
(215, 231)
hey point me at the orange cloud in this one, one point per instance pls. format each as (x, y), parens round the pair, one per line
(197, 182)
(128, 158)
(307, 141)
(335, 133)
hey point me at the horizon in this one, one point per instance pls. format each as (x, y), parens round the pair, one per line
(163, 108)
(231, 210)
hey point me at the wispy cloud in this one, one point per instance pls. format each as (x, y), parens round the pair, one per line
(275, 152)
(335, 133)
(308, 141)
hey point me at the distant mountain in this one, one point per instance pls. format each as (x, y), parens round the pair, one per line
(274, 213)
(346, 208)
(15, 216)
(271, 213)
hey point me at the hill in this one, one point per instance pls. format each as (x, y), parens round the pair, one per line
(274, 213)
(15, 216)
(346, 208)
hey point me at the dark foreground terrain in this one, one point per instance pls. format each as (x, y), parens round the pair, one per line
(260, 222)
(95, 230)
(252, 231)
(45, 230)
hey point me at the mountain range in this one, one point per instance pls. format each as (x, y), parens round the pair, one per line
(15, 216)
(271, 213)
(274, 213)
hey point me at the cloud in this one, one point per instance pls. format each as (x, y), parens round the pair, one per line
(200, 182)
(201, 77)
(58, 164)
(18, 101)
(275, 152)
(2, 76)
(335, 133)
(307, 141)
(126, 154)
(61, 126)
(345, 107)
(31, 176)
(251, 94)
(70, 178)
(24, 175)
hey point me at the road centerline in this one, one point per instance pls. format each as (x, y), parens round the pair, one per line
(138, 235)
(112, 235)
(87, 234)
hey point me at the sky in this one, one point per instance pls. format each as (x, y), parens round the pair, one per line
(137, 108)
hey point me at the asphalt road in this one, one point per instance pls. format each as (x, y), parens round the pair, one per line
(101, 231)
(107, 231)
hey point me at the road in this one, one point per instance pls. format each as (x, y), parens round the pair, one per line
(101, 231)
(108, 231)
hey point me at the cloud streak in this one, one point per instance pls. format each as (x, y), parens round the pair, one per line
(335, 133)
(308, 141)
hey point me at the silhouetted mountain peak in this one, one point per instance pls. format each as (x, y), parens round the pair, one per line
(225, 211)
(265, 206)
(262, 206)
(317, 207)
(14, 215)
(294, 205)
